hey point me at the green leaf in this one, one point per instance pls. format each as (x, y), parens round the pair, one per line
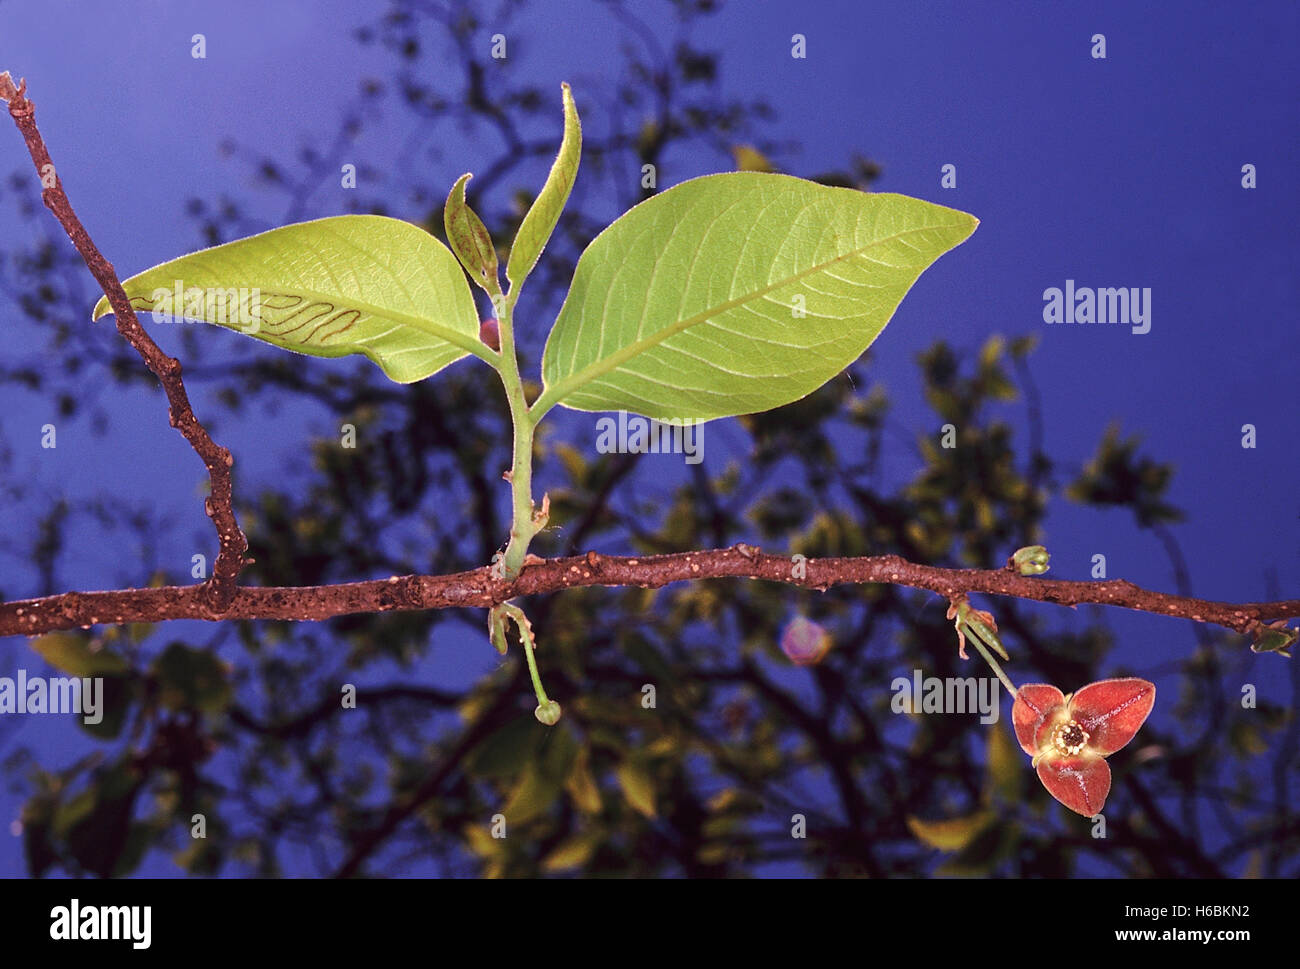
(191, 679)
(73, 655)
(952, 834)
(640, 650)
(1006, 767)
(559, 751)
(573, 853)
(582, 786)
(638, 787)
(736, 293)
(100, 838)
(351, 284)
(539, 223)
(470, 240)
(989, 847)
(1276, 638)
(117, 699)
(74, 810)
(508, 750)
(481, 842)
(533, 794)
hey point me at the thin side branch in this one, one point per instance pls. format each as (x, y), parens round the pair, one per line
(218, 591)
(478, 589)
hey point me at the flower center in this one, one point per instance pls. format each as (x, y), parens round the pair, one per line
(1069, 738)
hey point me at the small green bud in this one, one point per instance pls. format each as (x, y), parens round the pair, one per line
(497, 629)
(548, 713)
(1275, 638)
(1030, 560)
(469, 239)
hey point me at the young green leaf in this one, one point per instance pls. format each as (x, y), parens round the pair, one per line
(72, 654)
(470, 240)
(736, 293)
(332, 287)
(540, 221)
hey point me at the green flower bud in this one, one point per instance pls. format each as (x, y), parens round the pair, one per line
(1030, 560)
(548, 713)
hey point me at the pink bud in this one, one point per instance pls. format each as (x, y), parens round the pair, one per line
(805, 642)
(490, 334)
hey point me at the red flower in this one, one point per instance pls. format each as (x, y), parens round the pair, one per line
(1070, 737)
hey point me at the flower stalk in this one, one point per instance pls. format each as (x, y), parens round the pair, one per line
(548, 711)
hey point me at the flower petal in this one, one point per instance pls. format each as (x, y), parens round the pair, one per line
(1031, 714)
(1081, 784)
(1111, 711)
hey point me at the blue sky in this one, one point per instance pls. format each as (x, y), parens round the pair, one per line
(1117, 172)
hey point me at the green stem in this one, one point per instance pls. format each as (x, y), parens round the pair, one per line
(988, 658)
(522, 528)
(526, 637)
(525, 524)
(548, 711)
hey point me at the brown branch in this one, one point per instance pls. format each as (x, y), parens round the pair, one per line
(478, 589)
(219, 590)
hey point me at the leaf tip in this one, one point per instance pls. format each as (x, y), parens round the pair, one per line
(457, 192)
(570, 108)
